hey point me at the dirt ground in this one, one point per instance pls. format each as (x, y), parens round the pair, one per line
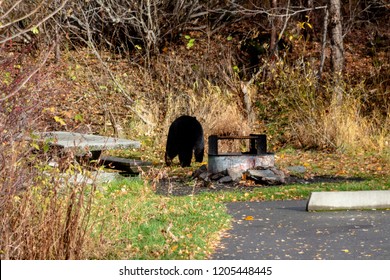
(187, 186)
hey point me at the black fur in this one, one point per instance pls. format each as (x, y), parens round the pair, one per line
(185, 135)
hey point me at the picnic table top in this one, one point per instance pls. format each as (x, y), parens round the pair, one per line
(90, 142)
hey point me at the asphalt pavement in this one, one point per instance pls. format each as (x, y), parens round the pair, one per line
(284, 230)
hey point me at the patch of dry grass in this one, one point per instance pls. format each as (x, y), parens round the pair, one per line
(313, 119)
(43, 215)
(353, 132)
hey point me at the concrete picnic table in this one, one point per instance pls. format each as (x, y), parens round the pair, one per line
(93, 145)
(82, 144)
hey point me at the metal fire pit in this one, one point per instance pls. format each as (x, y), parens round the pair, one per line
(257, 155)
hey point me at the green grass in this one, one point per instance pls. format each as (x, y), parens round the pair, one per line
(296, 191)
(131, 222)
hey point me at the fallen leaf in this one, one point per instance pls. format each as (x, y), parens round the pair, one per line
(248, 218)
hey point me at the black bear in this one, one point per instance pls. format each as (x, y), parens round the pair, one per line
(184, 136)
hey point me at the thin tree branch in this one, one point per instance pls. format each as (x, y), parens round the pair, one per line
(90, 42)
(36, 25)
(287, 16)
(23, 17)
(25, 81)
(10, 9)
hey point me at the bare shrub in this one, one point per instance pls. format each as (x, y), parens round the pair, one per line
(42, 214)
(47, 220)
(27, 22)
(127, 24)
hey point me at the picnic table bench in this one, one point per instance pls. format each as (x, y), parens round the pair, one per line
(93, 145)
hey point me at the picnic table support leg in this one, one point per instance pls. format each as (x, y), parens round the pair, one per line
(96, 155)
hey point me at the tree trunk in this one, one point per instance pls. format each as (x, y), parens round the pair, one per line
(274, 24)
(337, 47)
(324, 40)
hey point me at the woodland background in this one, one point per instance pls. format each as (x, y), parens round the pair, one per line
(312, 75)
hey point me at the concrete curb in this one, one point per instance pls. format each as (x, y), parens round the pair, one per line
(346, 200)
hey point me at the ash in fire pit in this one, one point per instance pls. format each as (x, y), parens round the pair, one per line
(256, 164)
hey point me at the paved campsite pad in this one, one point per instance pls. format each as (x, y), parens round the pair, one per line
(285, 230)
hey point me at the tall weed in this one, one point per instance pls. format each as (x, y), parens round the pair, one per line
(42, 214)
(43, 211)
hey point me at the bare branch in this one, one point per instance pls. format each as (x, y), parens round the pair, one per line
(24, 31)
(109, 72)
(29, 76)
(287, 17)
(10, 9)
(23, 17)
